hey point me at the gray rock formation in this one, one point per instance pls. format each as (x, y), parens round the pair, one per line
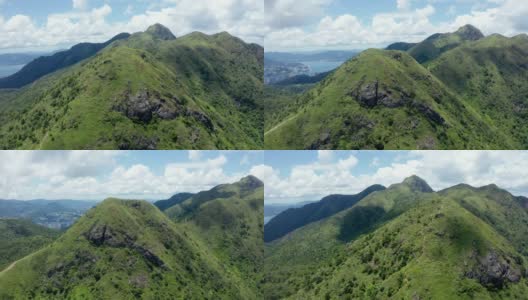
(494, 271)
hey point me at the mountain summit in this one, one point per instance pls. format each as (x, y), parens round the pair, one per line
(470, 33)
(161, 32)
(417, 184)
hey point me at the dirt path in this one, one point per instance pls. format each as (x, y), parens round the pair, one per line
(9, 268)
(279, 125)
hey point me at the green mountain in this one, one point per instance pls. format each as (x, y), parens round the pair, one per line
(45, 65)
(229, 218)
(490, 75)
(293, 218)
(469, 93)
(130, 249)
(19, 238)
(407, 242)
(435, 45)
(401, 46)
(150, 91)
(175, 199)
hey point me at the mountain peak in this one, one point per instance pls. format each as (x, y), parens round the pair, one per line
(470, 32)
(251, 182)
(417, 184)
(161, 32)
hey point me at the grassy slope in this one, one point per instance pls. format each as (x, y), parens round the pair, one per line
(419, 247)
(330, 115)
(19, 238)
(229, 219)
(144, 255)
(490, 74)
(214, 76)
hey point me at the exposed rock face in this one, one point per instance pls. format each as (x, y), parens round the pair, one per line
(494, 271)
(428, 112)
(103, 235)
(139, 143)
(373, 94)
(145, 105)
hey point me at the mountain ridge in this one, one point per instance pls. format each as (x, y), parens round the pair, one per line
(449, 244)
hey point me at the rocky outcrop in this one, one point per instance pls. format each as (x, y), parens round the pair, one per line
(146, 105)
(103, 235)
(375, 94)
(494, 271)
(371, 95)
(428, 112)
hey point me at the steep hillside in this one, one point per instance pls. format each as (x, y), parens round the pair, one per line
(407, 242)
(150, 91)
(293, 218)
(122, 250)
(490, 75)
(48, 64)
(176, 199)
(229, 218)
(19, 238)
(382, 100)
(435, 45)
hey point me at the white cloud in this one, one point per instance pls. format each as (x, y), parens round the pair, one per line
(346, 30)
(441, 169)
(403, 4)
(195, 154)
(242, 18)
(80, 4)
(407, 23)
(98, 175)
(325, 155)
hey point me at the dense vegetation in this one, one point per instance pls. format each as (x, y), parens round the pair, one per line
(293, 218)
(407, 242)
(19, 237)
(130, 249)
(175, 199)
(150, 91)
(452, 91)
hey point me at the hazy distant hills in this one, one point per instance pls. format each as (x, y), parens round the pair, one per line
(293, 218)
(407, 241)
(58, 214)
(281, 68)
(458, 90)
(149, 90)
(131, 249)
(44, 65)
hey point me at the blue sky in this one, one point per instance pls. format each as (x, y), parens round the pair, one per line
(96, 175)
(360, 24)
(36, 25)
(296, 176)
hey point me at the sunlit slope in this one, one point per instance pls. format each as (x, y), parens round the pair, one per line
(150, 91)
(382, 100)
(122, 250)
(404, 242)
